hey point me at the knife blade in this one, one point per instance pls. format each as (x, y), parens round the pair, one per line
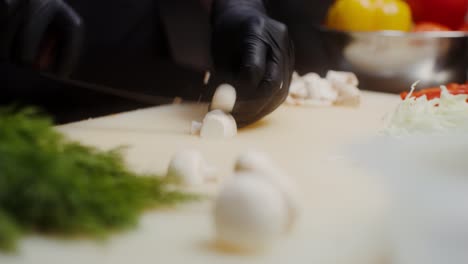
(107, 90)
(19, 82)
(129, 95)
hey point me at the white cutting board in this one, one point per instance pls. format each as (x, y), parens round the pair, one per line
(343, 207)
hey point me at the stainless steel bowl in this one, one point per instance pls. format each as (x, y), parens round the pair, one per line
(391, 61)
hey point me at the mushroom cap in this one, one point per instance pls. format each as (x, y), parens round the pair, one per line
(249, 213)
(262, 166)
(187, 167)
(224, 98)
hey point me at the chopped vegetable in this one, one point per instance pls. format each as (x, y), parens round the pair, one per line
(429, 26)
(337, 88)
(345, 83)
(369, 15)
(435, 92)
(218, 125)
(51, 185)
(423, 115)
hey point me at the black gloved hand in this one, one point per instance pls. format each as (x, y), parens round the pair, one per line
(254, 53)
(46, 34)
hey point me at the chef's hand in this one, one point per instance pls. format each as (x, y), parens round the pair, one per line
(254, 53)
(45, 34)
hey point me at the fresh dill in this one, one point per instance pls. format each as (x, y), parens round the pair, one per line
(49, 184)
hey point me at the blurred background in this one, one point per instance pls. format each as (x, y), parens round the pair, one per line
(148, 47)
(143, 53)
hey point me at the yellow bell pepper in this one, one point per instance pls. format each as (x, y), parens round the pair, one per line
(369, 15)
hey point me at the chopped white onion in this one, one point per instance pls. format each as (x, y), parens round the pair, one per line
(449, 113)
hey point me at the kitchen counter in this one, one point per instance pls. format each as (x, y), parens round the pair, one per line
(343, 206)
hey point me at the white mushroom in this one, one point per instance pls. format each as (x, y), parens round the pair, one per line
(189, 168)
(310, 77)
(295, 76)
(263, 166)
(337, 88)
(348, 95)
(319, 89)
(311, 89)
(224, 98)
(342, 77)
(218, 125)
(298, 89)
(250, 214)
(345, 83)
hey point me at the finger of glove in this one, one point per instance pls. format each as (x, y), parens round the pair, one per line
(71, 32)
(252, 70)
(252, 65)
(248, 102)
(246, 112)
(275, 85)
(283, 54)
(39, 17)
(272, 80)
(283, 49)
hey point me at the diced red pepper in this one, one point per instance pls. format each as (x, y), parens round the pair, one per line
(434, 92)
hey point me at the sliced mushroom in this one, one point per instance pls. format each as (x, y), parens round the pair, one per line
(218, 125)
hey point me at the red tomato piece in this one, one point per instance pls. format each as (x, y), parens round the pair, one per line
(429, 26)
(464, 27)
(450, 13)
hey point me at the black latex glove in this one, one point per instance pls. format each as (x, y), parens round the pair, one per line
(45, 34)
(254, 53)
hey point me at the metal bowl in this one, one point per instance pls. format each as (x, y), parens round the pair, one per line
(391, 61)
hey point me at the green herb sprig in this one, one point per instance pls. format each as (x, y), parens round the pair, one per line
(51, 185)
